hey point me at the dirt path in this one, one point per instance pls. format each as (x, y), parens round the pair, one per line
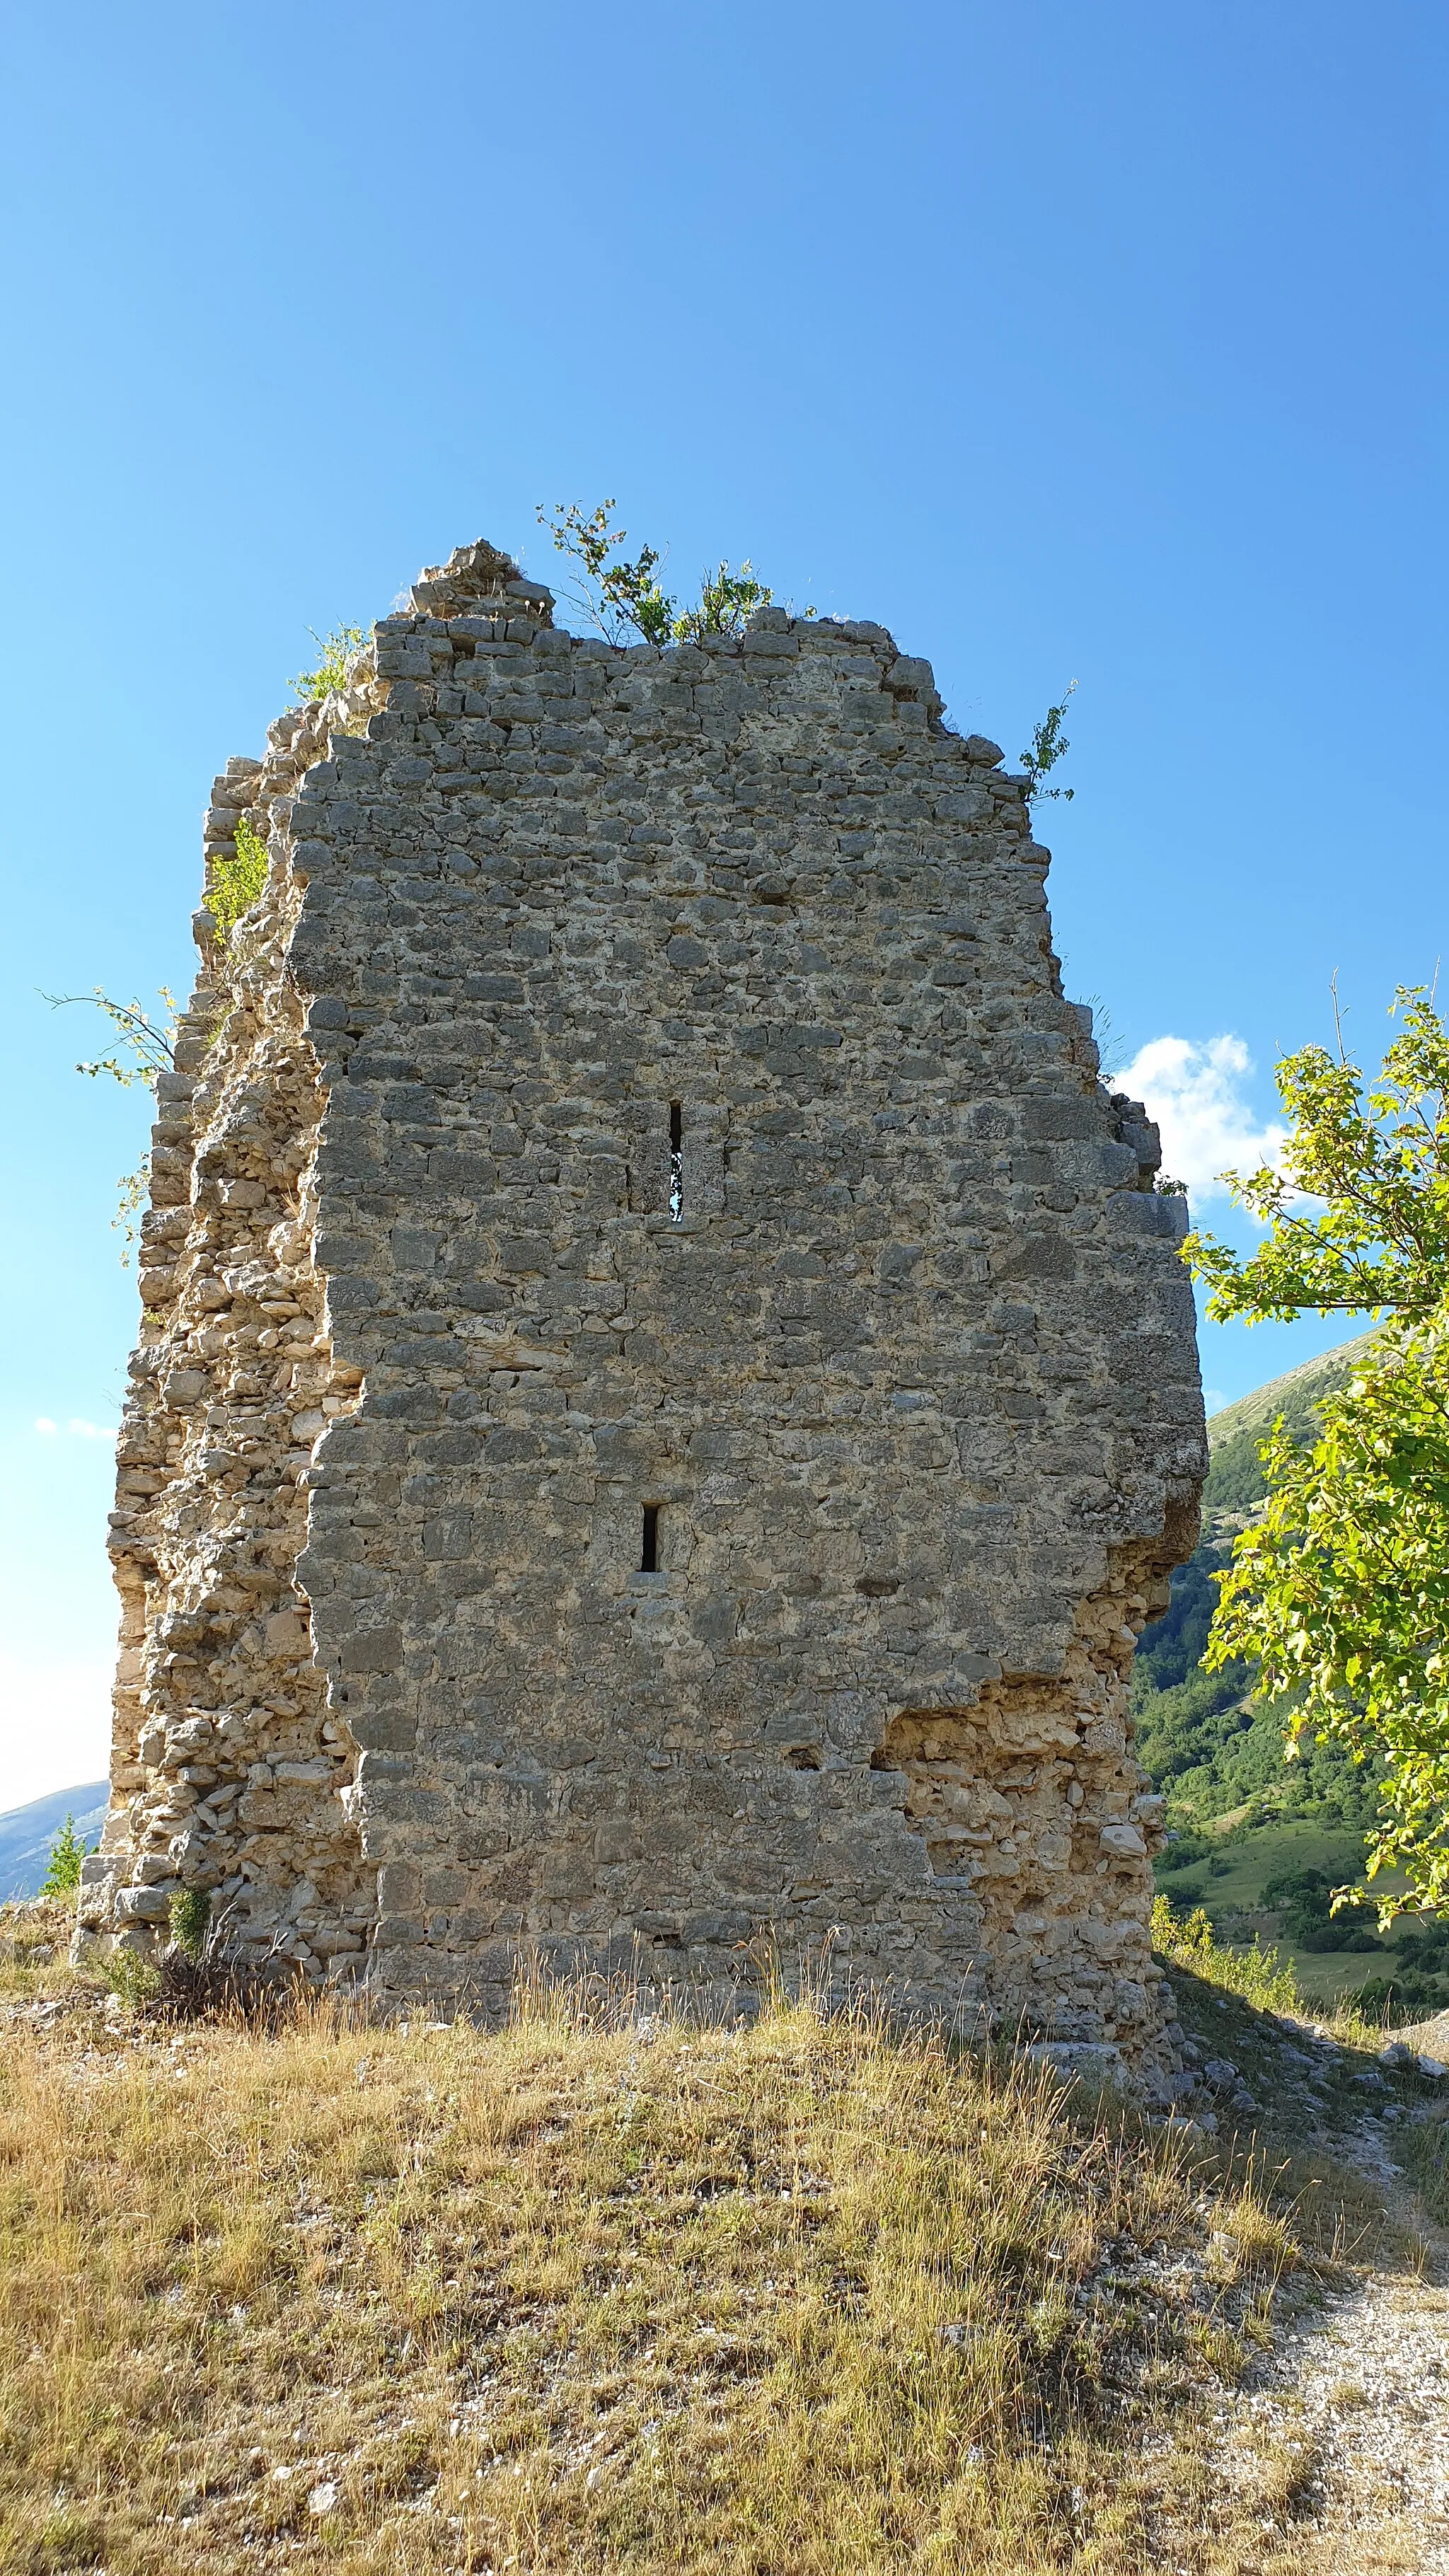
(1371, 2379)
(1344, 2427)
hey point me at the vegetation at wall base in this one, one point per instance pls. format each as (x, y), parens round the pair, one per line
(190, 1920)
(1258, 1975)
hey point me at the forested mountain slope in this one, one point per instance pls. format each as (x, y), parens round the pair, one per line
(1209, 1751)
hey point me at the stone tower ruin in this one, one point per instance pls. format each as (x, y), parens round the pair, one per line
(666, 1388)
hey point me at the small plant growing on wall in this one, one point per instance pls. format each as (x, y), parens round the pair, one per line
(145, 1047)
(624, 598)
(334, 651)
(236, 883)
(1048, 745)
(190, 1917)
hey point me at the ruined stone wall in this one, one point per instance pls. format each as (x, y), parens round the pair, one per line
(642, 1121)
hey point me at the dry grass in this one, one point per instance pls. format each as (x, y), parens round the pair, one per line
(34, 1940)
(789, 2301)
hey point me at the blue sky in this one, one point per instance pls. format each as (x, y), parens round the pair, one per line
(1102, 344)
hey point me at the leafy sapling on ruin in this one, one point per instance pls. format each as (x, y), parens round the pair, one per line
(335, 651)
(625, 600)
(1048, 745)
(727, 602)
(622, 599)
(145, 1043)
(144, 1040)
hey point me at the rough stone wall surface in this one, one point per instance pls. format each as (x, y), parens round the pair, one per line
(666, 1389)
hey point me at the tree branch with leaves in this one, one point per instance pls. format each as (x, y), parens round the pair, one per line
(150, 1044)
(146, 1048)
(1340, 1591)
(1358, 1208)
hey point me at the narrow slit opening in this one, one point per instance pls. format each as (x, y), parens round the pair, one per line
(649, 1550)
(676, 1160)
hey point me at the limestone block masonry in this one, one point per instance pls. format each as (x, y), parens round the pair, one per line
(666, 1388)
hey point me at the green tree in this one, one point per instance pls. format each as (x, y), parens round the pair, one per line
(68, 1850)
(1340, 1590)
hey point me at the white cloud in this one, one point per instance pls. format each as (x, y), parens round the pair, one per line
(76, 1429)
(1195, 1094)
(43, 1423)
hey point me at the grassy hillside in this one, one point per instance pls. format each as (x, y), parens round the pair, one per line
(1235, 1478)
(604, 2292)
(1248, 1822)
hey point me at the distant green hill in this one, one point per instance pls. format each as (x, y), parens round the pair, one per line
(1235, 1478)
(1210, 1749)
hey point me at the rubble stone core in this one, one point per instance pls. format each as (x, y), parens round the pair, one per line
(666, 1388)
